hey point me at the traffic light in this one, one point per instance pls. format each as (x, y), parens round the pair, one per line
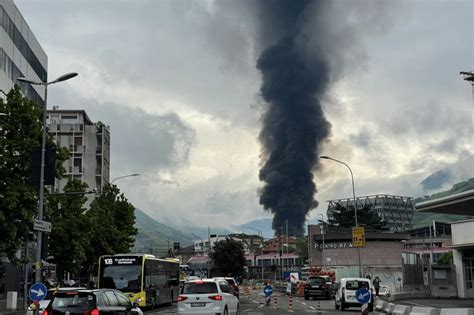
(44, 246)
(50, 165)
(176, 246)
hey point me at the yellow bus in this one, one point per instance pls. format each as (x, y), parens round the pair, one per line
(148, 280)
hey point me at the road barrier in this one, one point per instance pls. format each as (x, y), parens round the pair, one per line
(415, 310)
(457, 311)
(380, 304)
(318, 310)
(389, 307)
(275, 302)
(401, 310)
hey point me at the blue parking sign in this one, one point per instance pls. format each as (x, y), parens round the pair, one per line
(363, 296)
(38, 292)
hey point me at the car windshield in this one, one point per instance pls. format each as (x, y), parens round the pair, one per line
(315, 281)
(356, 284)
(199, 288)
(74, 300)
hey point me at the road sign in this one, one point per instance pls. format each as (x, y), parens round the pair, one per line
(363, 296)
(43, 226)
(358, 236)
(268, 291)
(37, 292)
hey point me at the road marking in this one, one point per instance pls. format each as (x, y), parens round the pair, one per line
(261, 306)
(248, 310)
(303, 303)
(311, 307)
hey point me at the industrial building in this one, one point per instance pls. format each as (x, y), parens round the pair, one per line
(396, 211)
(462, 236)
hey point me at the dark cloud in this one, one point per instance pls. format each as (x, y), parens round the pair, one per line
(140, 142)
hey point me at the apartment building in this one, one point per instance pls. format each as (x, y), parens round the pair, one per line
(89, 146)
(21, 54)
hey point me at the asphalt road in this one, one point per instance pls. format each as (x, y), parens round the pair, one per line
(253, 305)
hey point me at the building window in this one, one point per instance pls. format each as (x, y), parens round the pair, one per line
(468, 262)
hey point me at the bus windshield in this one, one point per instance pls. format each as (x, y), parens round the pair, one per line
(123, 278)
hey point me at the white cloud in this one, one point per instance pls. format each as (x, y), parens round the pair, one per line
(401, 114)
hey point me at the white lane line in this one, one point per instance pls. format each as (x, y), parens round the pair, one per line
(311, 307)
(303, 303)
(248, 310)
(261, 306)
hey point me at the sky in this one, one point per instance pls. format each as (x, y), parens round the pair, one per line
(176, 81)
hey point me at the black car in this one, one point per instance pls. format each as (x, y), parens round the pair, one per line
(319, 286)
(91, 302)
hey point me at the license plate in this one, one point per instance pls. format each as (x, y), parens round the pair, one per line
(198, 304)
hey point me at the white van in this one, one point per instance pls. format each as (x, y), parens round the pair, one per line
(346, 293)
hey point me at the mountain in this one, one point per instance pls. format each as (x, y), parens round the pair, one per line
(155, 237)
(264, 225)
(423, 219)
(451, 174)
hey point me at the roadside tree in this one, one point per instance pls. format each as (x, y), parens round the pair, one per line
(228, 256)
(20, 132)
(70, 236)
(111, 225)
(366, 216)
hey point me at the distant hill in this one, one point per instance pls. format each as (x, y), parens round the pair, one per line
(422, 219)
(264, 225)
(451, 174)
(154, 236)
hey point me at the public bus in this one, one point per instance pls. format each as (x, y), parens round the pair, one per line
(147, 280)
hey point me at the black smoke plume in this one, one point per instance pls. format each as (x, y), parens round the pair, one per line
(294, 125)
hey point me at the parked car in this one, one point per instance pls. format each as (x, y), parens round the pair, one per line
(49, 295)
(231, 281)
(91, 302)
(319, 286)
(207, 296)
(346, 293)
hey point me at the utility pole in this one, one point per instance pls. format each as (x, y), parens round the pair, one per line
(287, 259)
(469, 77)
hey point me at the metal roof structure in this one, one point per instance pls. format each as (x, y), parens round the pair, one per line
(396, 211)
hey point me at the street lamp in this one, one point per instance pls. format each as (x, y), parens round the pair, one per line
(120, 177)
(62, 78)
(355, 206)
(322, 234)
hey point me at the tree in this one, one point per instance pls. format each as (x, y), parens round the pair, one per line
(111, 225)
(70, 236)
(20, 132)
(228, 255)
(368, 217)
(302, 248)
(445, 259)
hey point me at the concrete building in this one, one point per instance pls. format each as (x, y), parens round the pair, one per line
(89, 146)
(20, 54)
(382, 255)
(462, 236)
(396, 211)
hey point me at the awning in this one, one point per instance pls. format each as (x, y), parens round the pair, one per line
(461, 204)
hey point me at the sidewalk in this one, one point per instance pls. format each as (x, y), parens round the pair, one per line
(439, 303)
(19, 311)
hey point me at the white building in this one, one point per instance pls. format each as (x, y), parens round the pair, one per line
(20, 54)
(202, 246)
(462, 236)
(88, 144)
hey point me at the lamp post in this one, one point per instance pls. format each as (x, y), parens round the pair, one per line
(322, 234)
(355, 205)
(62, 78)
(120, 177)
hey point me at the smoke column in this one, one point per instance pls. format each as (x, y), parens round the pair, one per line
(294, 125)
